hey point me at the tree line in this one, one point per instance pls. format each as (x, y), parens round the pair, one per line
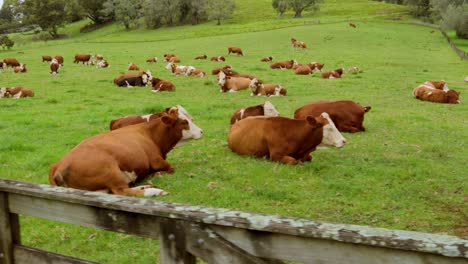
(449, 14)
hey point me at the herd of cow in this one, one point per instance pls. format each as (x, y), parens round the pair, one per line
(137, 146)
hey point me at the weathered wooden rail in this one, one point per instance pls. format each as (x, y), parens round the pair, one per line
(214, 235)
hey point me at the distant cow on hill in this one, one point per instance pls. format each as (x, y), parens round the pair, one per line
(46, 58)
(298, 44)
(84, 58)
(235, 50)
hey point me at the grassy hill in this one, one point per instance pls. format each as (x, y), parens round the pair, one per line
(407, 171)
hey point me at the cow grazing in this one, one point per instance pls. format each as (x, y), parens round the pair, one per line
(260, 89)
(11, 62)
(162, 85)
(218, 58)
(435, 95)
(226, 69)
(282, 139)
(353, 25)
(152, 60)
(201, 57)
(59, 60)
(267, 59)
(348, 116)
(16, 92)
(84, 58)
(284, 64)
(140, 79)
(102, 64)
(54, 67)
(20, 68)
(133, 67)
(115, 160)
(235, 50)
(333, 74)
(46, 58)
(266, 109)
(232, 84)
(298, 44)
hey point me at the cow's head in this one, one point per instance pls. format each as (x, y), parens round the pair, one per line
(169, 66)
(331, 136)
(254, 85)
(193, 131)
(3, 92)
(441, 85)
(221, 78)
(54, 61)
(295, 63)
(146, 77)
(269, 109)
(452, 97)
(293, 40)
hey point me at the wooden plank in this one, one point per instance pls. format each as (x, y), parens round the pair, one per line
(310, 250)
(28, 255)
(173, 244)
(449, 246)
(210, 247)
(83, 215)
(9, 231)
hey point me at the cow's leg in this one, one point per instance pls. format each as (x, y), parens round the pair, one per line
(306, 157)
(161, 166)
(283, 158)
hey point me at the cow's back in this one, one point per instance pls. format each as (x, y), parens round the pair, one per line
(247, 137)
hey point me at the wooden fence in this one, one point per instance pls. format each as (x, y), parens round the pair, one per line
(214, 235)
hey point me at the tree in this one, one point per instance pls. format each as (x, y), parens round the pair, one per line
(281, 6)
(48, 14)
(126, 12)
(6, 42)
(420, 8)
(198, 11)
(220, 9)
(94, 10)
(300, 5)
(456, 17)
(74, 11)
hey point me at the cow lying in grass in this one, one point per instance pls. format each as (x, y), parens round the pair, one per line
(348, 116)
(114, 161)
(298, 44)
(201, 57)
(152, 60)
(21, 68)
(266, 109)
(15, 92)
(284, 64)
(133, 67)
(162, 85)
(232, 84)
(333, 74)
(218, 58)
(134, 79)
(282, 139)
(179, 69)
(267, 59)
(436, 91)
(308, 68)
(260, 89)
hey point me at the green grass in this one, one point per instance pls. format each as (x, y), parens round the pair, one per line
(407, 171)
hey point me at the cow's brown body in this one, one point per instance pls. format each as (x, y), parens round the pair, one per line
(162, 85)
(435, 95)
(218, 58)
(113, 161)
(333, 74)
(353, 25)
(298, 44)
(197, 73)
(152, 60)
(201, 57)
(167, 57)
(266, 109)
(303, 69)
(235, 50)
(283, 64)
(59, 59)
(46, 58)
(133, 67)
(54, 67)
(226, 69)
(126, 75)
(84, 58)
(18, 92)
(174, 59)
(21, 68)
(260, 89)
(348, 116)
(279, 138)
(232, 84)
(11, 62)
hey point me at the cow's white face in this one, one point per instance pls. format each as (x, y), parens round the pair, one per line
(2, 92)
(331, 136)
(253, 84)
(194, 131)
(54, 61)
(169, 66)
(221, 78)
(269, 109)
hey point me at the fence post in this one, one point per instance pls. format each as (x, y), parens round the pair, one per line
(9, 231)
(173, 244)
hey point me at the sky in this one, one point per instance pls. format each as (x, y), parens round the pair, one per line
(1, 3)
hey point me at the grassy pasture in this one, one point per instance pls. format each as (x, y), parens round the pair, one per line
(407, 171)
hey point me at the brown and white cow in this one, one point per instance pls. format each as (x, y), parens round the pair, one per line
(11, 62)
(133, 67)
(440, 85)
(266, 109)
(59, 60)
(201, 57)
(102, 64)
(226, 69)
(424, 93)
(162, 85)
(54, 67)
(218, 58)
(298, 44)
(168, 56)
(197, 73)
(267, 59)
(347, 115)
(174, 59)
(152, 60)
(16, 92)
(179, 69)
(333, 74)
(232, 84)
(136, 79)
(99, 57)
(20, 68)
(46, 58)
(115, 160)
(235, 50)
(260, 89)
(282, 139)
(284, 64)
(84, 58)
(3, 92)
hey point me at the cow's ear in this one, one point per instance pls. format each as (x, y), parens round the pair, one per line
(174, 112)
(167, 120)
(311, 120)
(367, 109)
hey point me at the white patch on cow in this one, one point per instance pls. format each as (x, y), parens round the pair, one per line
(428, 85)
(277, 90)
(2, 92)
(147, 117)
(194, 131)
(54, 61)
(169, 66)
(221, 78)
(331, 136)
(251, 94)
(130, 176)
(154, 192)
(295, 63)
(269, 109)
(155, 91)
(18, 95)
(242, 111)
(331, 77)
(445, 89)
(429, 93)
